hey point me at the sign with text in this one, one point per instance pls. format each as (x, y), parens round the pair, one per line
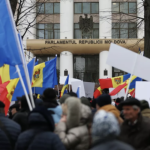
(129, 61)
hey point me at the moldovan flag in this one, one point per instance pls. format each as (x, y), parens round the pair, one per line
(124, 85)
(6, 92)
(63, 91)
(9, 43)
(97, 92)
(113, 82)
(44, 76)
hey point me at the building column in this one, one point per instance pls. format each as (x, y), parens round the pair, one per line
(66, 63)
(66, 19)
(140, 13)
(66, 32)
(105, 21)
(103, 67)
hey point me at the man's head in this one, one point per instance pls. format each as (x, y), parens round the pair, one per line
(2, 107)
(49, 95)
(144, 105)
(103, 100)
(131, 109)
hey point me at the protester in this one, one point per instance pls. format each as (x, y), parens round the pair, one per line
(39, 135)
(105, 130)
(145, 110)
(72, 129)
(22, 115)
(9, 130)
(13, 110)
(104, 103)
(50, 102)
(85, 101)
(136, 129)
(63, 98)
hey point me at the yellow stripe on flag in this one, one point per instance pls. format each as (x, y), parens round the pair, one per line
(11, 88)
(37, 80)
(4, 73)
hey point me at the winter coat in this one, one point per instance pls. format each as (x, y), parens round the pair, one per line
(114, 110)
(21, 118)
(146, 113)
(39, 136)
(9, 132)
(74, 132)
(137, 135)
(111, 145)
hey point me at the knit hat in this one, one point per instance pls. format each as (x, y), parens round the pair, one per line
(105, 126)
(144, 105)
(49, 93)
(85, 101)
(104, 99)
(63, 98)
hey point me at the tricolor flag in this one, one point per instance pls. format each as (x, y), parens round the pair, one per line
(6, 92)
(124, 85)
(64, 89)
(44, 76)
(97, 92)
(113, 82)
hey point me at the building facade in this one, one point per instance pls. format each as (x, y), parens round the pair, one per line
(81, 31)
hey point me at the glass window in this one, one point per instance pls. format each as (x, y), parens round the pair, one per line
(124, 7)
(56, 34)
(76, 26)
(40, 8)
(56, 8)
(48, 8)
(132, 8)
(40, 34)
(40, 26)
(115, 33)
(57, 26)
(96, 25)
(115, 7)
(77, 34)
(132, 33)
(78, 8)
(95, 8)
(123, 33)
(86, 8)
(124, 25)
(115, 25)
(48, 34)
(96, 33)
(49, 26)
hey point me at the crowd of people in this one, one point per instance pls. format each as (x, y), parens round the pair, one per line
(70, 123)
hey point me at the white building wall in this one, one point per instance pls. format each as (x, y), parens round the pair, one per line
(105, 22)
(102, 65)
(66, 63)
(66, 32)
(140, 13)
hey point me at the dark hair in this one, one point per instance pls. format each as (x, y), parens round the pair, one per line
(2, 105)
(72, 94)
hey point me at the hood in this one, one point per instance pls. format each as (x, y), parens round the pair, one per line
(73, 109)
(112, 109)
(40, 117)
(146, 113)
(86, 114)
(105, 126)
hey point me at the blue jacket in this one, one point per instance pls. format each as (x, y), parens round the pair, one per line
(10, 131)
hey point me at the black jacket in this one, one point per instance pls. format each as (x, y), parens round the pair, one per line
(21, 118)
(39, 135)
(111, 145)
(9, 132)
(137, 135)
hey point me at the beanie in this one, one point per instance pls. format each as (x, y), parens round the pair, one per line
(144, 105)
(103, 100)
(49, 93)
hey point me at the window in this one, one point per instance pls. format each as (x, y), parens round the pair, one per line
(78, 34)
(86, 8)
(48, 8)
(124, 7)
(48, 31)
(124, 30)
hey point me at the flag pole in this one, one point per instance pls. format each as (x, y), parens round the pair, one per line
(130, 77)
(23, 86)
